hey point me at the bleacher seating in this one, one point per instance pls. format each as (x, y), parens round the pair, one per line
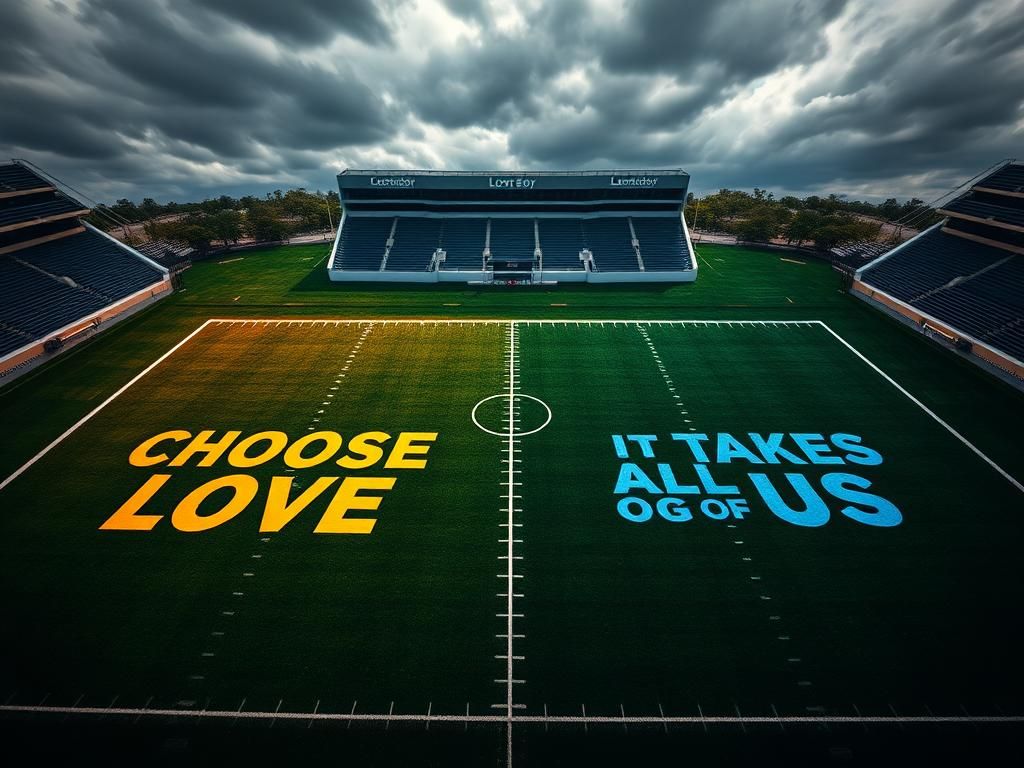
(54, 270)
(611, 243)
(36, 304)
(998, 234)
(416, 239)
(561, 241)
(662, 245)
(515, 228)
(1004, 284)
(167, 252)
(512, 239)
(362, 242)
(17, 178)
(13, 212)
(1008, 210)
(929, 262)
(852, 256)
(11, 340)
(976, 288)
(1009, 178)
(463, 241)
(93, 261)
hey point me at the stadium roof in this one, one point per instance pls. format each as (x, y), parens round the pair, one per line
(394, 172)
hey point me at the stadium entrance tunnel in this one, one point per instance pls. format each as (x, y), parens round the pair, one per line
(529, 415)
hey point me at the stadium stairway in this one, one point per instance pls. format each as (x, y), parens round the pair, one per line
(611, 242)
(662, 244)
(415, 240)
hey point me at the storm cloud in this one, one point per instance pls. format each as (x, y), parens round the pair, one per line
(177, 99)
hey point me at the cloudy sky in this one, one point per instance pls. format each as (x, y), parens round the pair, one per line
(179, 99)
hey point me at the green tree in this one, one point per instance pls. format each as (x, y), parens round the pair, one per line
(803, 226)
(149, 208)
(760, 227)
(226, 226)
(262, 223)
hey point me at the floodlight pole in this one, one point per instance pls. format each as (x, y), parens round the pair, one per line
(330, 221)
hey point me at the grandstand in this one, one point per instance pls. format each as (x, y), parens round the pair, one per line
(171, 254)
(60, 277)
(962, 280)
(494, 227)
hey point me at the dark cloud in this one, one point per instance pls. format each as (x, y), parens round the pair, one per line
(747, 38)
(307, 22)
(183, 98)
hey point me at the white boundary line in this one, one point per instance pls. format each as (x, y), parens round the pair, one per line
(337, 322)
(233, 714)
(64, 435)
(1013, 481)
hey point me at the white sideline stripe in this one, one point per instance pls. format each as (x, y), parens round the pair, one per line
(462, 718)
(18, 472)
(926, 409)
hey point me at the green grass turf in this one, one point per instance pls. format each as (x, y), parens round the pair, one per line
(637, 614)
(322, 617)
(614, 613)
(617, 613)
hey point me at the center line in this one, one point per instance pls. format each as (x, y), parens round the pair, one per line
(510, 463)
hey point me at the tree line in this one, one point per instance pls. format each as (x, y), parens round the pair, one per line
(225, 220)
(825, 222)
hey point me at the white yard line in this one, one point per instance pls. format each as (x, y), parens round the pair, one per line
(463, 718)
(510, 483)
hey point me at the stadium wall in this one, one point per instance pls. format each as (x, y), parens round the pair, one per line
(925, 323)
(73, 332)
(539, 276)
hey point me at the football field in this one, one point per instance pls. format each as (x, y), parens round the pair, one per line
(514, 525)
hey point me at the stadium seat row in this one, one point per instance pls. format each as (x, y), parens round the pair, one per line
(408, 243)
